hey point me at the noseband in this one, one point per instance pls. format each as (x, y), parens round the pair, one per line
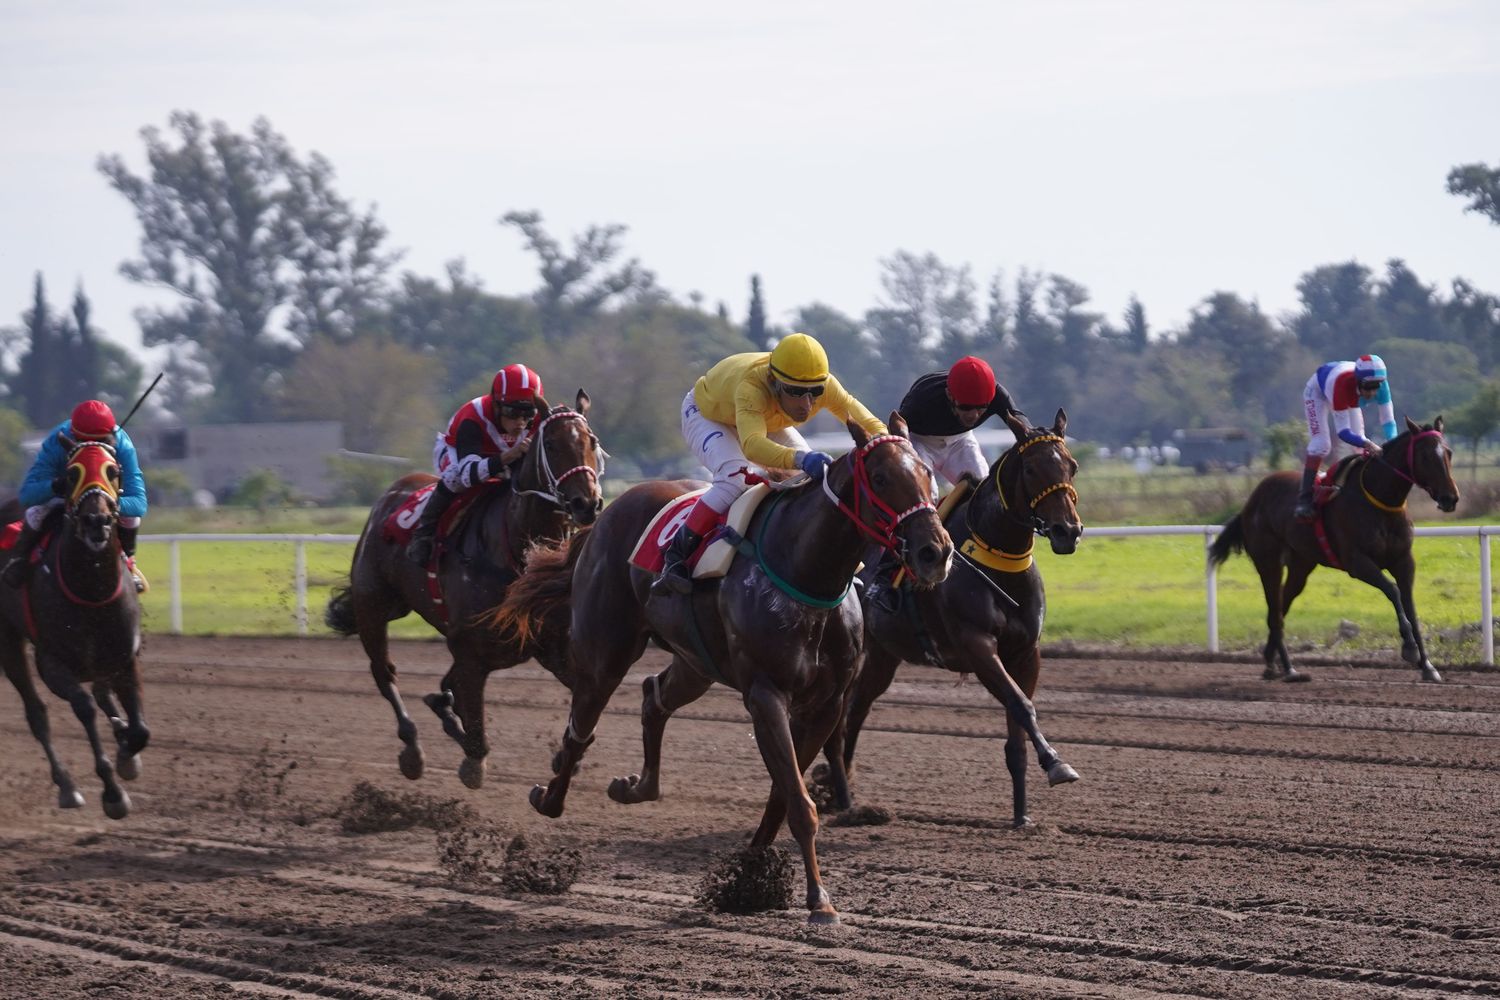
(887, 519)
(1034, 522)
(552, 483)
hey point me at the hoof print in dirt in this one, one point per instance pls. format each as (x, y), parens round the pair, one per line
(371, 809)
(749, 880)
(862, 816)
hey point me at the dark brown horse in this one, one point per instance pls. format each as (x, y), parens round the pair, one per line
(80, 613)
(1366, 530)
(986, 617)
(555, 489)
(780, 627)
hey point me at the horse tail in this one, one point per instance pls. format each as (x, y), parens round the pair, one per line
(1230, 540)
(545, 588)
(339, 615)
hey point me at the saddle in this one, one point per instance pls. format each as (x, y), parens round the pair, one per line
(401, 522)
(1330, 482)
(714, 555)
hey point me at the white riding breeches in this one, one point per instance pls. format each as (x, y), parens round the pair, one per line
(950, 456)
(717, 447)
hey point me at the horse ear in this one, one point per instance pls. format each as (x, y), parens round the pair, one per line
(581, 402)
(1437, 423)
(1060, 423)
(857, 433)
(897, 425)
(541, 405)
(1411, 426)
(1016, 421)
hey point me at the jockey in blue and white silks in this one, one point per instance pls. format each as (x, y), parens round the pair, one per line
(1332, 399)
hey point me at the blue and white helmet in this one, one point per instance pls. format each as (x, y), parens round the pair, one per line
(1369, 368)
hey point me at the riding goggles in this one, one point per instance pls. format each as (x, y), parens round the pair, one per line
(525, 410)
(802, 390)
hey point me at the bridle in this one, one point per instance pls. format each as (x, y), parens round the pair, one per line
(1033, 522)
(552, 482)
(1406, 474)
(887, 521)
(90, 483)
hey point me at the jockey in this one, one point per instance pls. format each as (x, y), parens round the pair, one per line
(1333, 395)
(744, 413)
(486, 437)
(46, 483)
(941, 410)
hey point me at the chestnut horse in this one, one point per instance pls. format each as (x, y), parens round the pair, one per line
(780, 627)
(986, 617)
(1365, 532)
(80, 612)
(555, 489)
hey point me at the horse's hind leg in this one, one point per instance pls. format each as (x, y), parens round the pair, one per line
(662, 695)
(785, 759)
(1278, 663)
(63, 684)
(13, 659)
(372, 635)
(1413, 649)
(1297, 572)
(873, 679)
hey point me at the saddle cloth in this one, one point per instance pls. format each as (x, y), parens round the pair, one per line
(714, 555)
(8, 535)
(1331, 481)
(402, 521)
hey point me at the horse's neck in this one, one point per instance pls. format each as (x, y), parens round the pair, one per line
(810, 543)
(529, 519)
(999, 526)
(89, 575)
(1388, 484)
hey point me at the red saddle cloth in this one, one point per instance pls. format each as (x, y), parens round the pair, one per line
(8, 535)
(403, 520)
(650, 551)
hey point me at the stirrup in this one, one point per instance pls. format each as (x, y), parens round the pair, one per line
(673, 580)
(419, 550)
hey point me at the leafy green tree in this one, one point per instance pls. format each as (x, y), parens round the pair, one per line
(1428, 378)
(755, 322)
(243, 230)
(261, 489)
(13, 427)
(1137, 332)
(38, 381)
(579, 284)
(1340, 318)
(1286, 439)
(1481, 185)
(1245, 338)
(1476, 420)
(1411, 309)
(384, 394)
(1472, 317)
(850, 349)
(1181, 388)
(928, 303)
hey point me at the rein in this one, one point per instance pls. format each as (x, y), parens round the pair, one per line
(550, 491)
(980, 553)
(1411, 454)
(1035, 523)
(887, 520)
(87, 487)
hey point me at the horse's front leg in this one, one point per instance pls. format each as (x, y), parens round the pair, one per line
(773, 734)
(1020, 723)
(13, 658)
(1415, 650)
(588, 704)
(460, 705)
(62, 683)
(1364, 569)
(131, 733)
(662, 695)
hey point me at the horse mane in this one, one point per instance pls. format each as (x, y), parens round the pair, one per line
(546, 586)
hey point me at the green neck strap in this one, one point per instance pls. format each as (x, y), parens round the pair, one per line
(782, 585)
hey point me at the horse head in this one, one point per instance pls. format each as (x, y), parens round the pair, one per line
(893, 490)
(91, 480)
(1043, 482)
(564, 465)
(1428, 461)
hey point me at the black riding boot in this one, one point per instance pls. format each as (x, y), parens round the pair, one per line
(18, 570)
(675, 577)
(1305, 510)
(883, 592)
(419, 549)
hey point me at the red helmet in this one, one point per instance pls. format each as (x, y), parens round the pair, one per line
(516, 384)
(93, 419)
(971, 382)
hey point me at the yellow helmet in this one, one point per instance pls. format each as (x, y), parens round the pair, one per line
(799, 360)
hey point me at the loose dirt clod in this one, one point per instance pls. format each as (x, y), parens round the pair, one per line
(862, 816)
(749, 880)
(528, 869)
(371, 809)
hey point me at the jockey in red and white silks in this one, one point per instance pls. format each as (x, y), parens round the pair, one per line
(1331, 401)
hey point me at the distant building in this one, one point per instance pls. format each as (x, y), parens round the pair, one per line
(1211, 449)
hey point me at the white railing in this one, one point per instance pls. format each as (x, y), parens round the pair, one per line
(1209, 532)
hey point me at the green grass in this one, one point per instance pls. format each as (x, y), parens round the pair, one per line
(1132, 592)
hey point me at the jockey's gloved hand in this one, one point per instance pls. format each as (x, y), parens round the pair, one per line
(814, 463)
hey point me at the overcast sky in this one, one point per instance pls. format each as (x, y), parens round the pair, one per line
(1166, 148)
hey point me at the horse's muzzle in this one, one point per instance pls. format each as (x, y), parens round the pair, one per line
(930, 562)
(1447, 502)
(583, 510)
(1064, 538)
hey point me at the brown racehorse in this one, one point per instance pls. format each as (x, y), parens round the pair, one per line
(555, 489)
(1367, 530)
(780, 627)
(986, 618)
(80, 613)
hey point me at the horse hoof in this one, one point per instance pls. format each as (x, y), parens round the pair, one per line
(1430, 674)
(128, 768)
(69, 800)
(119, 809)
(823, 918)
(411, 762)
(1271, 673)
(471, 772)
(1060, 774)
(1296, 677)
(1020, 823)
(539, 802)
(627, 791)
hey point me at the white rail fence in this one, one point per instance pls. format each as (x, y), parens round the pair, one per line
(1208, 532)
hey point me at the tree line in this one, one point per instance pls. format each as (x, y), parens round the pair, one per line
(286, 304)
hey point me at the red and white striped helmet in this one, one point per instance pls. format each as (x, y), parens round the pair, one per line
(516, 384)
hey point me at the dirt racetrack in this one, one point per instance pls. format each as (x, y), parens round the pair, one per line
(1229, 838)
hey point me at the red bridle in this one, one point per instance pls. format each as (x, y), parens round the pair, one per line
(885, 517)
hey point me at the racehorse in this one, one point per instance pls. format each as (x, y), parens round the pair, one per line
(986, 617)
(80, 612)
(1363, 530)
(780, 627)
(555, 489)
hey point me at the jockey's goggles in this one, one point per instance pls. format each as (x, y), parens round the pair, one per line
(1371, 385)
(517, 410)
(802, 390)
(971, 407)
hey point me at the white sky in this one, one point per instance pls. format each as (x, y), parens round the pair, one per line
(1169, 148)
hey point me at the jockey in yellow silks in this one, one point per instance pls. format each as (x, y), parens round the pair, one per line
(744, 413)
